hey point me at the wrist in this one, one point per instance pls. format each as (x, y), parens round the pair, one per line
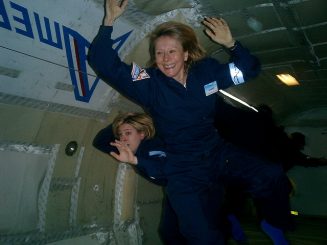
(107, 21)
(231, 45)
(134, 161)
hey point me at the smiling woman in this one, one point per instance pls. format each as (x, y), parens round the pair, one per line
(50, 96)
(197, 156)
(172, 49)
(170, 58)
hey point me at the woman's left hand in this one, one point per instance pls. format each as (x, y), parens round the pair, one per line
(218, 30)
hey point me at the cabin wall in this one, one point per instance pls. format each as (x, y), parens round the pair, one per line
(80, 201)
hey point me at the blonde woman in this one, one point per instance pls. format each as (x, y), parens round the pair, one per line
(179, 90)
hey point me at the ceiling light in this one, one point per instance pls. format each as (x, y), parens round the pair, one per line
(254, 24)
(288, 79)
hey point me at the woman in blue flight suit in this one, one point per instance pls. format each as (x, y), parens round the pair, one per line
(150, 154)
(146, 149)
(179, 92)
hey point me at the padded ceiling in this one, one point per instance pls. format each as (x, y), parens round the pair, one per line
(287, 36)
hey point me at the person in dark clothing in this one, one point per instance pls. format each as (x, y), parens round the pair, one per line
(133, 135)
(179, 91)
(258, 133)
(131, 139)
(248, 129)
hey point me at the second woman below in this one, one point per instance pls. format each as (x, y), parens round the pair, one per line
(131, 139)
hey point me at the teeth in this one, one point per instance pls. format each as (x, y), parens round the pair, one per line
(169, 66)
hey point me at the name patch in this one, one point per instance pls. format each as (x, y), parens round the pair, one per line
(211, 88)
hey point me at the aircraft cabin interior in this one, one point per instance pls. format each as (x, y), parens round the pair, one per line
(56, 188)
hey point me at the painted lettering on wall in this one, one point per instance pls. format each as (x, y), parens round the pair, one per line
(75, 45)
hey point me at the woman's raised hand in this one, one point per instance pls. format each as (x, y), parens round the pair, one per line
(218, 30)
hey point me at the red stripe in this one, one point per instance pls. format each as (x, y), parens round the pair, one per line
(81, 81)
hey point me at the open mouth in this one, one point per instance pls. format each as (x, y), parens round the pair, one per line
(169, 66)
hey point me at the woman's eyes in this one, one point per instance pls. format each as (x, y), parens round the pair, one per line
(158, 53)
(124, 134)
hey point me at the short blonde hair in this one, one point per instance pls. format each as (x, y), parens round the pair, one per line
(182, 33)
(142, 122)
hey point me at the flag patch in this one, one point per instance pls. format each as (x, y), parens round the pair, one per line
(138, 73)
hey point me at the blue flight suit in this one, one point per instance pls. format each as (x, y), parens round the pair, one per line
(198, 160)
(151, 156)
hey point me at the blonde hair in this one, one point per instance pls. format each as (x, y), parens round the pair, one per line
(182, 33)
(142, 122)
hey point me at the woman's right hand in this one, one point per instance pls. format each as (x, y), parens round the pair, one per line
(113, 10)
(125, 153)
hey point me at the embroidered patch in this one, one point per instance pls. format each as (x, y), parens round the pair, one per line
(157, 153)
(138, 73)
(236, 74)
(211, 88)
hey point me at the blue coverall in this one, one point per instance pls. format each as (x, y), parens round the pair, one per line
(150, 153)
(197, 157)
(151, 159)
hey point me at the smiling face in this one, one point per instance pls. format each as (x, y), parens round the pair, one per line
(170, 58)
(130, 136)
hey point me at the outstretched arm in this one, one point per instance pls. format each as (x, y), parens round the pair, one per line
(308, 161)
(113, 9)
(103, 138)
(242, 65)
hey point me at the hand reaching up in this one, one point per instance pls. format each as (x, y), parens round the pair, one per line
(218, 30)
(114, 9)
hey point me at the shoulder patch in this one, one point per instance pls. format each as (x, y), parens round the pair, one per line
(157, 153)
(138, 73)
(236, 74)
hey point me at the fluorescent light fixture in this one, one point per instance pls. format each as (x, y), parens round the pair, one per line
(237, 99)
(288, 79)
(254, 24)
